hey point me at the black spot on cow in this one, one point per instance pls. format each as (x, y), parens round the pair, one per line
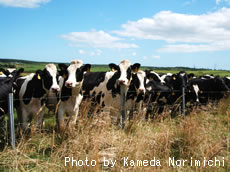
(80, 72)
(34, 88)
(134, 85)
(92, 80)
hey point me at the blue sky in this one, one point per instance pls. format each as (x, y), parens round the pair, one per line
(191, 33)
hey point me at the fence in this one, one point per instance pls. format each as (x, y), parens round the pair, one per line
(122, 111)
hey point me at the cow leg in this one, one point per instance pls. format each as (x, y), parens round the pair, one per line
(149, 111)
(73, 120)
(25, 120)
(41, 118)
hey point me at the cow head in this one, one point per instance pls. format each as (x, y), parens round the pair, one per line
(179, 80)
(124, 71)
(48, 77)
(192, 92)
(74, 73)
(151, 75)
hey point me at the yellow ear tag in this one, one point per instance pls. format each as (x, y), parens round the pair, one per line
(201, 92)
(190, 78)
(174, 78)
(150, 78)
(173, 93)
(136, 69)
(88, 70)
(1, 73)
(39, 77)
(113, 70)
(158, 93)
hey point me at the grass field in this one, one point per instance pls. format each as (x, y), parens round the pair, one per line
(201, 135)
(31, 66)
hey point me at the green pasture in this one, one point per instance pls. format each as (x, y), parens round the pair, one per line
(32, 66)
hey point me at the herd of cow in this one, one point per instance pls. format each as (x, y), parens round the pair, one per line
(69, 86)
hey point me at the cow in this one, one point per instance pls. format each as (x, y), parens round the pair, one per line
(7, 73)
(157, 94)
(227, 81)
(7, 85)
(103, 88)
(210, 88)
(136, 92)
(154, 76)
(32, 91)
(71, 92)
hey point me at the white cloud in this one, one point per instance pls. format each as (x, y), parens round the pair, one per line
(156, 56)
(134, 54)
(23, 3)
(219, 1)
(145, 57)
(96, 39)
(205, 32)
(81, 52)
(97, 52)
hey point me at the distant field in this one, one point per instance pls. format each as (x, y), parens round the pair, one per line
(31, 66)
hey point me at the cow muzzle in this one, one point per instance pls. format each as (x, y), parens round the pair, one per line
(55, 89)
(69, 84)
(141, 90)
(121, 82)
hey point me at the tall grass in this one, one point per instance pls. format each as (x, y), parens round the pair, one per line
(199, 135)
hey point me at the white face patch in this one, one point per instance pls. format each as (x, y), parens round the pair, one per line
(182, 74)
(164, 76)
(196, 89)
(141, 77)
(75, 64)
(52, 69)
(158, 76)
(11, 69)
(124, 65)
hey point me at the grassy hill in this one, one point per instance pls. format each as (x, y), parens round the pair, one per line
(32, 66)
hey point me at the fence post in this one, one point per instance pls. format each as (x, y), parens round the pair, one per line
(183, 101)
(11, 119)
(123, 109)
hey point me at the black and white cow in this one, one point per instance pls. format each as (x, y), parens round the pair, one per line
(7, 73)
(210, 88)
(136, 93)
(227, 81)
(7, 86)
(32, 93)
(157, 96)
(103, 88)
(71, 92)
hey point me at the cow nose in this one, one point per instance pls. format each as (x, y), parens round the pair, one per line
(141, 90)
(55, 90)
(121, 82)
(69, 84)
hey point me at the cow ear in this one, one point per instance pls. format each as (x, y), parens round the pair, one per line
(2, 71)
(20, 71)
(135, 67)
(62, 66)
(39, 74)
(63, 72)
(149, 76)
(174, 77)
(86, 68)
(113, 67)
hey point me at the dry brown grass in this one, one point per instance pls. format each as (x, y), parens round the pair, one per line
(198, 135)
